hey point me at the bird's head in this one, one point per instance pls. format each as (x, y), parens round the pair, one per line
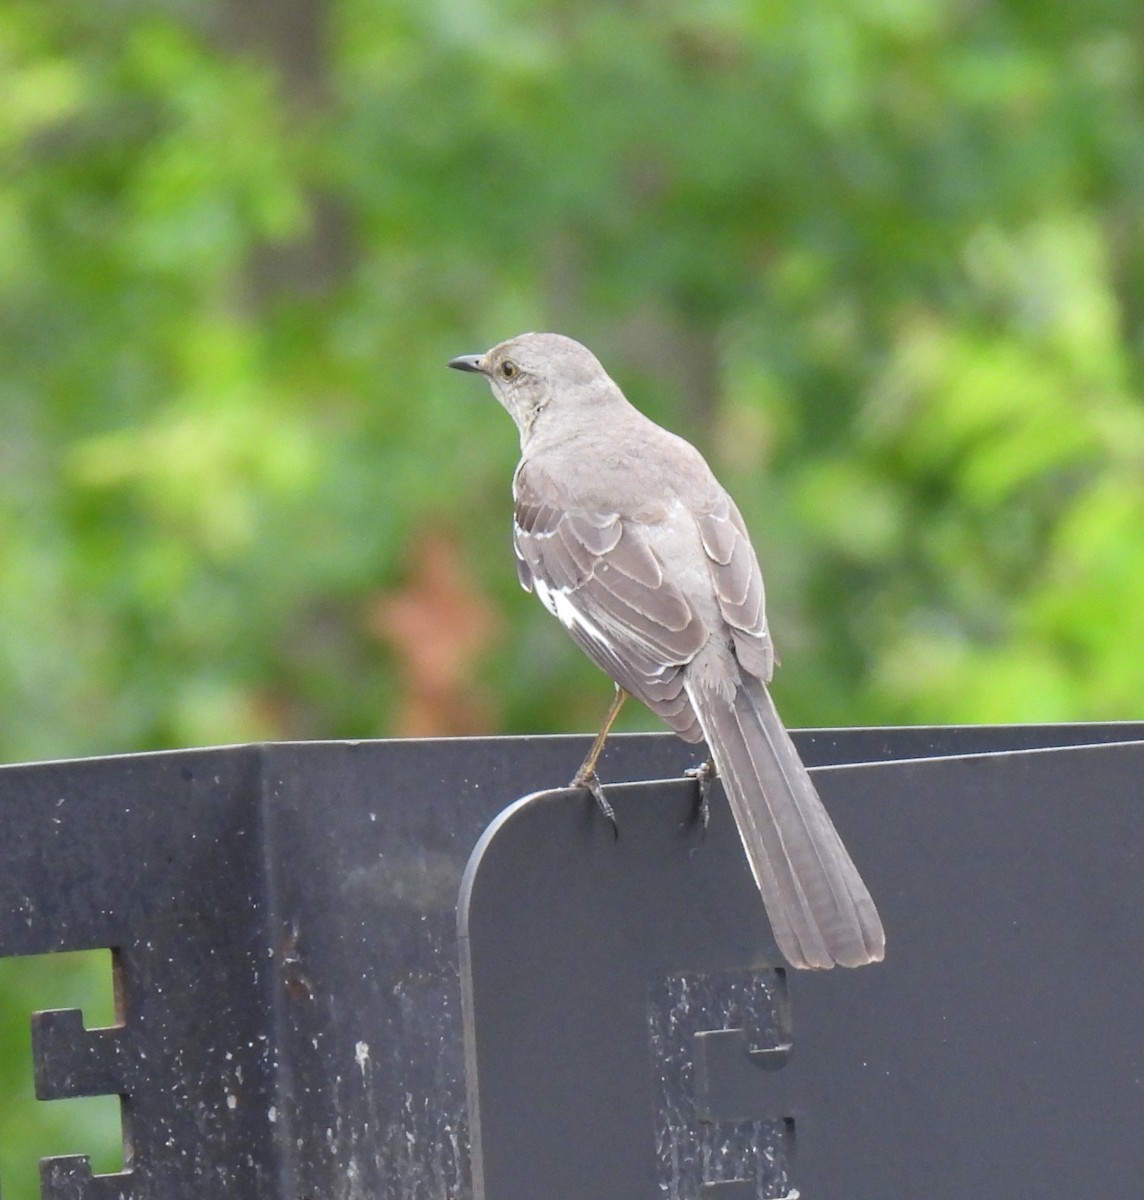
(528, 372)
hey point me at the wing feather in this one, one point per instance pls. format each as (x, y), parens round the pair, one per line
(604, 582)
(602, 578)
(738, 585)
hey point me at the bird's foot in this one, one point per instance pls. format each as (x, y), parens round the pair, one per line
(704, 775)
(591, 781)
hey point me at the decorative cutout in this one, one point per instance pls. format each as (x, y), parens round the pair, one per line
(69, 1061)
(81, 1120)
(724, 1125)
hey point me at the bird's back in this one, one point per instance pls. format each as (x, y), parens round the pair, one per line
(622, 462)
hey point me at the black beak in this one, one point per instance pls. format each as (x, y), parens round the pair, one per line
(467, 362)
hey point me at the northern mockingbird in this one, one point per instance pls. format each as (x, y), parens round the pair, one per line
(626, 536)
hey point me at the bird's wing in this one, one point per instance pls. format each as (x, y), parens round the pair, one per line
(738, 585)
(599, 576)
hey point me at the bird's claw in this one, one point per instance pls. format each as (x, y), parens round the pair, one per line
(591, 781)
(704, 775)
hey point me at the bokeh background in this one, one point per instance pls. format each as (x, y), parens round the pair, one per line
(882, 260)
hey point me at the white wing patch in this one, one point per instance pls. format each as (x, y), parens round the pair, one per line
(545, 593)
(561, 607)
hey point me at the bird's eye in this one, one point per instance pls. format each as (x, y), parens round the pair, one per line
(508, 369)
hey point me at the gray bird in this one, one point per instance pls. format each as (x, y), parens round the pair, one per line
(629, 540)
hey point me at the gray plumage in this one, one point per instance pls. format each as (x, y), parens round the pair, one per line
(627, 537)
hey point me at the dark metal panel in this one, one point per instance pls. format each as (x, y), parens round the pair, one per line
(588, 973)
(366, 845)
(997, 1053)
(834, 747)
(284, 925)
(283, 918)
(156, 857)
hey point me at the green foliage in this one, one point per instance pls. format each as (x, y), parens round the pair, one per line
(883, 261)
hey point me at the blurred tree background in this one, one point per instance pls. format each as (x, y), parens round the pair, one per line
(882, 260)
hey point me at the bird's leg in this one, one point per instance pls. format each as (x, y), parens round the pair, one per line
(586, 776)
(704, 775)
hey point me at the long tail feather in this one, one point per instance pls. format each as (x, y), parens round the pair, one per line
(819, 907)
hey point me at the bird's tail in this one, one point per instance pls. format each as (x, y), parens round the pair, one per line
(819, 907)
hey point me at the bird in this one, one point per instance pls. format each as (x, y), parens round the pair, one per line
(623, 532)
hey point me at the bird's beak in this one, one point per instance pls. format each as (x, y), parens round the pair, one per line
(467, 362)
